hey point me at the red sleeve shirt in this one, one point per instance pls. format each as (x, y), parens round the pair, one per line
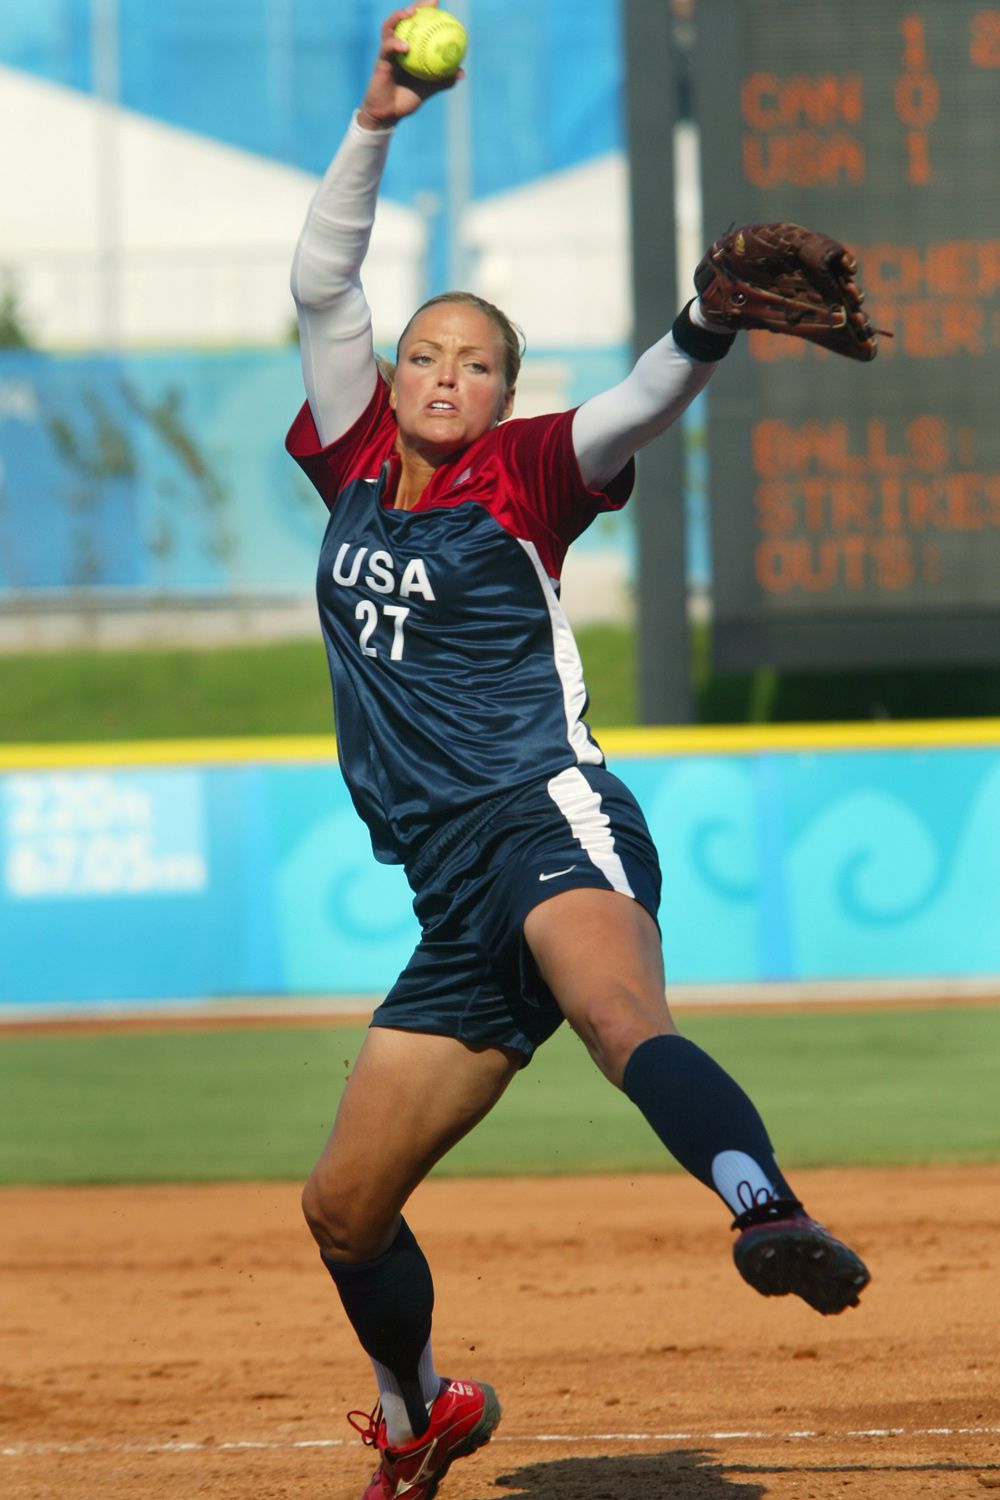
(524, 472)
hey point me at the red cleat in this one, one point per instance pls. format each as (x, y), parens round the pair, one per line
(781, 1249)
(463, 1418)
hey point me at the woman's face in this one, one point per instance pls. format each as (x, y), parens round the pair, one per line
(450, 386)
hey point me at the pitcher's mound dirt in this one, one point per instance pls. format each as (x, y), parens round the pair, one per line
(168, 1343)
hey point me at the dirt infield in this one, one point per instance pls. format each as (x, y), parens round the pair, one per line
(184, 1341)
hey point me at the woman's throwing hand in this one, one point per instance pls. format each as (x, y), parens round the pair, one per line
(392, 94)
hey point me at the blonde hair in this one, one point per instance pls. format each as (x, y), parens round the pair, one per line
(511, 336)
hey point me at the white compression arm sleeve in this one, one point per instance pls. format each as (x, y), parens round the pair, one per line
(335, 321)
(609, 428)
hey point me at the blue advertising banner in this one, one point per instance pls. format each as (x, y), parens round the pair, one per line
(197, 878)
(164, 473)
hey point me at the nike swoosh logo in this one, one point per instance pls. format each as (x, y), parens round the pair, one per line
(553, 873)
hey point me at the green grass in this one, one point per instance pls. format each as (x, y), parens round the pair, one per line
(835, 1087)
(136, 695)
(284, 688)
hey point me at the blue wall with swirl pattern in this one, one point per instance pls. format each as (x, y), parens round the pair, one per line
(145, 874)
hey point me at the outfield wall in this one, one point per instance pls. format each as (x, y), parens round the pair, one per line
(197, 871)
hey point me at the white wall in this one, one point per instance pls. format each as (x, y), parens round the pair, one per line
(117, 228)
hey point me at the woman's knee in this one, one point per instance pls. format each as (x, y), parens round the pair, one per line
(613, 1022)
(343, 1221)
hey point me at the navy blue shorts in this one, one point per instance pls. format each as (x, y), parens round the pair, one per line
(472, 975)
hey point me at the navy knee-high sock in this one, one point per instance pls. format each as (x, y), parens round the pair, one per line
(389, 1302)
(705, 1120)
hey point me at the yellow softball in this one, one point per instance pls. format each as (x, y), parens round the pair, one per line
(437, 42)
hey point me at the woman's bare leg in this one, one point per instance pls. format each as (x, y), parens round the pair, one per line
(409, 1099)
(599, 952)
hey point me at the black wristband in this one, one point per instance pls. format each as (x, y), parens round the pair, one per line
(698, 342)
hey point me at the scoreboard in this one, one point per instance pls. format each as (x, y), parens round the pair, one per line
(855, 508)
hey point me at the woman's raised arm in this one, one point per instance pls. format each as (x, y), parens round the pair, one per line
(335, 321)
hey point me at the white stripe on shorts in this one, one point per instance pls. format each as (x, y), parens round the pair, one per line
(580, 805)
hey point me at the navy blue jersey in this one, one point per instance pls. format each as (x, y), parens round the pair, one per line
(455, 674)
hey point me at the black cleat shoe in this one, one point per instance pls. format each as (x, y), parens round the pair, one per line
(781, 1250)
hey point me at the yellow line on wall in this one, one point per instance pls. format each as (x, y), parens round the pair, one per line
(748, 739)
(263, 748)
(724, 739)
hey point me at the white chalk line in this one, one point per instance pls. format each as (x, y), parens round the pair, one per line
(93, 1446)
